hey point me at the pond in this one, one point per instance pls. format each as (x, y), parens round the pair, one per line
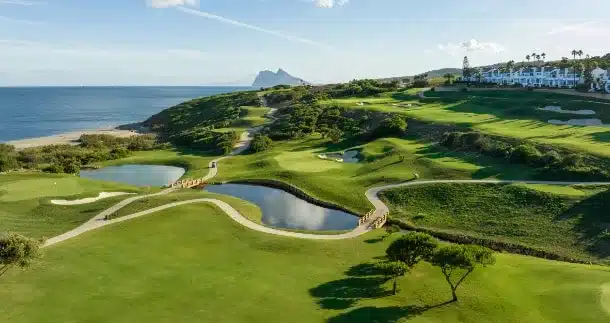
(139, 175)
(284, 210)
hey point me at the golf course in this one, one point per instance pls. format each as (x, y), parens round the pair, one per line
(481, 168)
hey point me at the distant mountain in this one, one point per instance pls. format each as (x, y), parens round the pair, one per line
(268, 79)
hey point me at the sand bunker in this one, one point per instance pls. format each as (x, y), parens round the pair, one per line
(560, 110)
(580, 122)
(88, 200)
(350, 156)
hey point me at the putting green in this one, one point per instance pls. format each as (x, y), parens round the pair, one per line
(305, 161)
(41, 187)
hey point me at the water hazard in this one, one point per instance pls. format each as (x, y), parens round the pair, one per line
(139, 175)
(284, 210)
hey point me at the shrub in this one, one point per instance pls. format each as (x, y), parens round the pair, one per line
(54, 168)
(526, 154)
(260, 143)
(393, 125)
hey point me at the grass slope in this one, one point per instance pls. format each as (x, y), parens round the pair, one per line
(573, 223)
(25, 202)
(506, 113)
(195, 264)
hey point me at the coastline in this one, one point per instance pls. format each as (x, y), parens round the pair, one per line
(69, 138)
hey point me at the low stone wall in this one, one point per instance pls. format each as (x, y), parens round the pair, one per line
(294, 191)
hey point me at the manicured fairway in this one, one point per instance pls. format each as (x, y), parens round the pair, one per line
(504, 113)
(25, 202)
(296, 162)
(194, 264)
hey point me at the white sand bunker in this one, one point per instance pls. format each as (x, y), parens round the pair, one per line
(580, 122)
(560, 110)
(103, 195)
(350, 156)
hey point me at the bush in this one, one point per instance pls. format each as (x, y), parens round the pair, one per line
(394, 125)
(526, 154)
(260, 143)
(54, 168)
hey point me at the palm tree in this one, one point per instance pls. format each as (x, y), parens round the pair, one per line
(528, 58)
(543, 56)
(538, 58)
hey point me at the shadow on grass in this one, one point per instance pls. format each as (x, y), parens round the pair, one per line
(363, 281)
(601, 136)
(390, 314)
(592, 222)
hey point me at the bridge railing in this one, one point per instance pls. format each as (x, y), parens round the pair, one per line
(187, 183)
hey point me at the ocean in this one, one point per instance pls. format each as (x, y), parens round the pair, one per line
(31, 112)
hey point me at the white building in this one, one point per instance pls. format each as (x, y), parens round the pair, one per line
(544, 76)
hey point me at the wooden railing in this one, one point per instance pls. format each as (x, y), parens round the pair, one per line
(377, 223)
(188, 183)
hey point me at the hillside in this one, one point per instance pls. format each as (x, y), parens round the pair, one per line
(269, 79)
(431, 74)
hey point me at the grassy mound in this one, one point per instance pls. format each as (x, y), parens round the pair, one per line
(195, 264)
(568, 221)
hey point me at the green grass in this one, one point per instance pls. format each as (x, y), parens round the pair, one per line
(565, 220)
(25, 202)
(296, 162)
(250, 210)
(506, 113)
(194, 264)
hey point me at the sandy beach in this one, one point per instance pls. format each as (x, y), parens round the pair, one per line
(70, 138)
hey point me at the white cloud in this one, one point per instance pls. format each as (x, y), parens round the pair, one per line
(22, 2)
(172, 3)
(252, 27)
(472, 45)
(593, 28)
(330, 3)
(19, 21)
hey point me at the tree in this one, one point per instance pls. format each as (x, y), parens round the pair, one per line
(458, 261)
(466, 70)
(412, 248)
(260, 143)
(393, 270)
(543, 56)
(449, 77)
(528, 57)
(335, 134)
(390, 126)
(17, 250)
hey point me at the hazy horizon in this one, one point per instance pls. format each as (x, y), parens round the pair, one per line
(218, 43)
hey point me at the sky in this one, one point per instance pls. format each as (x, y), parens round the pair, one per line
(226, 42)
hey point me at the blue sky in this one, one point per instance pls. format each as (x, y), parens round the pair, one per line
(190, 42)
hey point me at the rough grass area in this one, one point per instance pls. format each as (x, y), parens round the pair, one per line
(565, 220)
(25, 205)
(194, 264)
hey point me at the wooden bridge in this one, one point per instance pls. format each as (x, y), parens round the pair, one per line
(189, 183)
(377, 223)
